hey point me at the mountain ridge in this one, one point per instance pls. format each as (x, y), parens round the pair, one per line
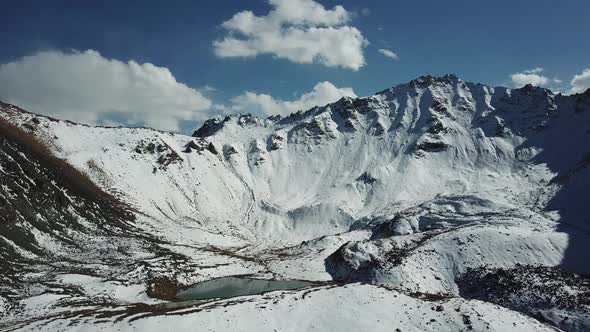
(419, 81)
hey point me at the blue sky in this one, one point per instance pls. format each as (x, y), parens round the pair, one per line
(479, 41)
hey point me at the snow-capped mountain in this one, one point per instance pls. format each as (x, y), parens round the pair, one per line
(422, 191)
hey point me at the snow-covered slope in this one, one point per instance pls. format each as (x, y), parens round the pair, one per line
(415, 188)
(347, 308)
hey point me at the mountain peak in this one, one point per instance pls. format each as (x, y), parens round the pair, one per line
(432, 80)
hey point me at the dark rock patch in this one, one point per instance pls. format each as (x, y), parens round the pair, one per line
(431, 146)
(533, 290)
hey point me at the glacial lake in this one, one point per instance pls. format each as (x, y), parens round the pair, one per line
(226, 287)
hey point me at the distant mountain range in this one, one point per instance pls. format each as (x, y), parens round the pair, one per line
(437, 205)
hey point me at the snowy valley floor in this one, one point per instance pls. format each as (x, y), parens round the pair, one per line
(352, 307)
(527, 299)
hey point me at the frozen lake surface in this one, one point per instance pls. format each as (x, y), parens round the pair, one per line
(227, 287)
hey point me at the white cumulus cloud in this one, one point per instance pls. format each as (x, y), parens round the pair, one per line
(536, 70)
(531, 76)
(302, 31)
(323, 93)
(89, 88)
(388, 53)
(581, 82)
